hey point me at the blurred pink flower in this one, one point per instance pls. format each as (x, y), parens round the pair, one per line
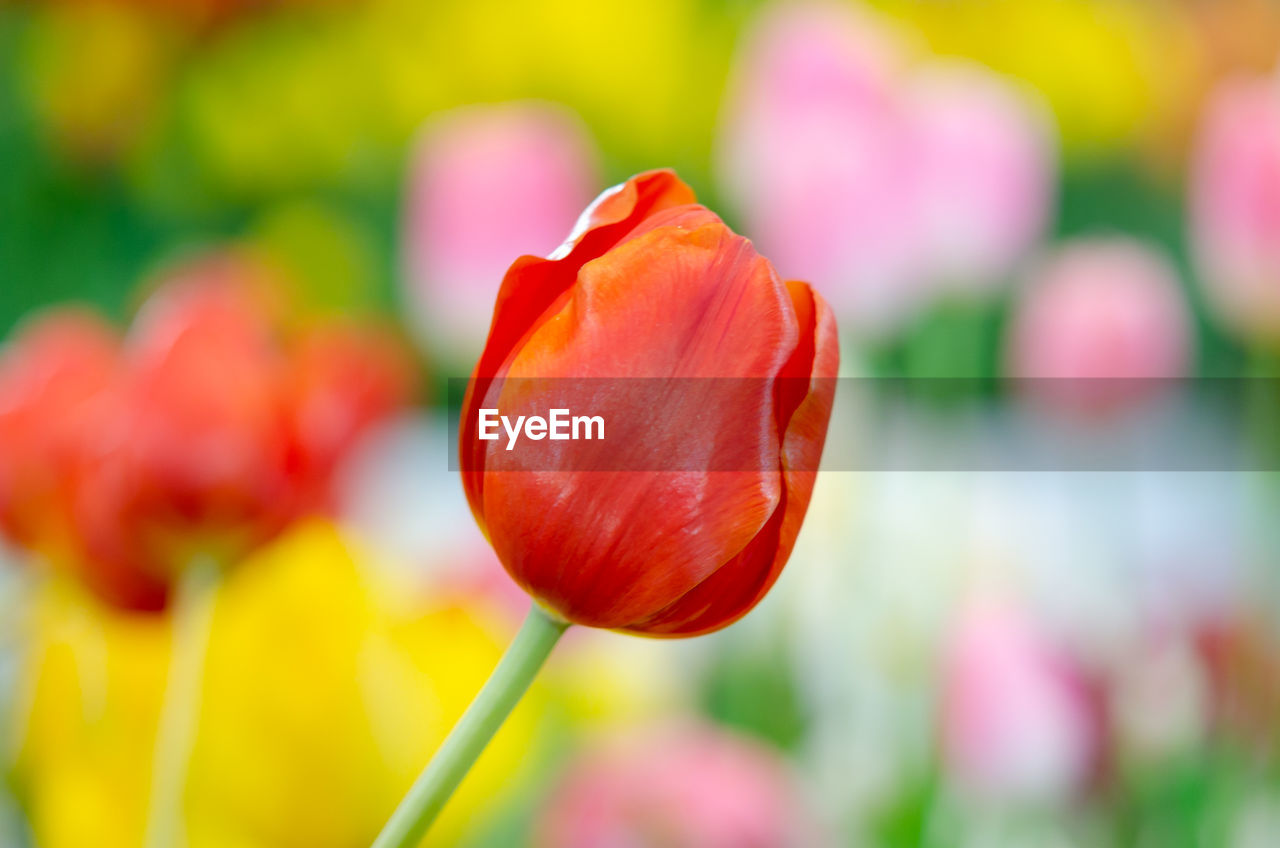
(1235, 205)
(986, 166)
(872, 183)
(815, 153)
(1101, 309)
(686, 786)
(1019, 722)
(489, 183)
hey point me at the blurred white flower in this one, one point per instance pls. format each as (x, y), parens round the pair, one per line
(1161, 701)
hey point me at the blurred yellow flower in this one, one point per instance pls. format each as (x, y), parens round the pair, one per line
(278, 105)
(645, 76)
(94, 681)
(95, 73)
(332, 96)
(322, 703)
(324, 694)
(1109, 69)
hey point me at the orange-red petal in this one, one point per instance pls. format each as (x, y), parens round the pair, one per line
(607, 547)
(741, 583)
(532, 285)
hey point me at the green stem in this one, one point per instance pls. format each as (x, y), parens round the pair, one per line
(517, 669)
(1263, 404)
(180, 711)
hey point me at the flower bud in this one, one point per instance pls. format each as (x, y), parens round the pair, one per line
(653, 290)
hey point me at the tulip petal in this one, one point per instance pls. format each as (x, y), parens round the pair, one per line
(739, 585)
(608, 548)
(533, 284)
(52, 376)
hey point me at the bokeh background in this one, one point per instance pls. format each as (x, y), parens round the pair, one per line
(982, 189)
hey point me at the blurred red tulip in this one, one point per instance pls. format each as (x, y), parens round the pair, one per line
(654, 286)
(689, 786)
(198, 456)
(1235, 206)
(1242, 658)
(59, 410)
(1101, 325)
(53, 378)
(221, 433)
(206, 387)
(217, 432)
(345, 380)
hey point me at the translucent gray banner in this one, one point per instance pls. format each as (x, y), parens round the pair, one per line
(877, 424)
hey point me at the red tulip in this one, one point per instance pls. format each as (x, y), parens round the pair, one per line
(654, 286)
(59, 404)
(345, 380)
(219, 432)
(207, 390)
(52, 383)
(197, 457)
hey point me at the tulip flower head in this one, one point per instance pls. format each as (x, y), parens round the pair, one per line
(653, 288)
(197, 457)
(59, 408)
(679, 520)
(203, 434)
(1235, 206)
